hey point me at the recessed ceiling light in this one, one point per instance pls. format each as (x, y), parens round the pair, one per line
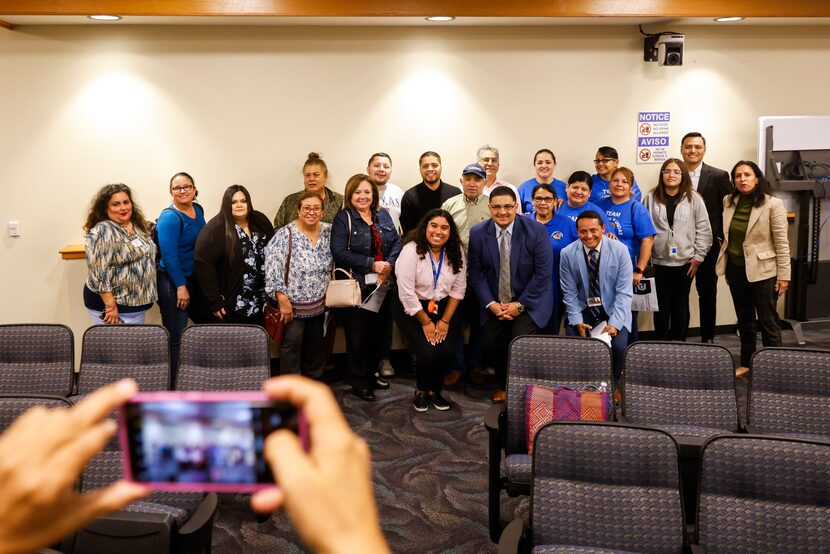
(440, 18)
(105, 17)
(728, 19)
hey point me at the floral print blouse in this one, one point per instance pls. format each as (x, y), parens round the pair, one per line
(251, 297)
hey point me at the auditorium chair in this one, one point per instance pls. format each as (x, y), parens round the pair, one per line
(763, 494)
(36, 359)
(789, 393)
(601, 487)
(223, 357)
(549, 361)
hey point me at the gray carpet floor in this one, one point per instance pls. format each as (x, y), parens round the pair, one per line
(430, 471)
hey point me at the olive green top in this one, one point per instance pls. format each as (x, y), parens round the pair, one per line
(737, 231)
(289, 209)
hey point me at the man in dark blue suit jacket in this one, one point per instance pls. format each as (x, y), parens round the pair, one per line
(525, 307)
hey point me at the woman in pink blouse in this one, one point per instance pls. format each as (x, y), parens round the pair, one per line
(432, 277)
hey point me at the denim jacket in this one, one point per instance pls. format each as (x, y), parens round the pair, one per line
(353, 253)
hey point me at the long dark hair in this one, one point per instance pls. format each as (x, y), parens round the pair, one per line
(453, 246)
(232, 248)
(100, 203)
(686, 188)
(757, 195)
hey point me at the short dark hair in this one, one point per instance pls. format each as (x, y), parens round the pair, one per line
(693, 134)
(581, 177)
(762, 188)
(544, 151)
(379, 155)
(427, 154)
(589, 214)
(547, 187)
(502, 190)
(351, 186)
(609, 152)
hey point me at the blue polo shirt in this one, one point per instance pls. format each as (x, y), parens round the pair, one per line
(630, 222)
(526, 192)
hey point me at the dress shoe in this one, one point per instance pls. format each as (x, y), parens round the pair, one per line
(741, 372)
(498, 396)
(477, 377)
(380, 383)
(421, 401)
(452, 378)
(386, 369)
(438, 402)
(364, 393)
(708, 341)
(617, 397)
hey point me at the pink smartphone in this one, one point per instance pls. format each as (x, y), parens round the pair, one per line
(202, 441)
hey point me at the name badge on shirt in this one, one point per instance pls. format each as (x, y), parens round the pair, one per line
(594, 302)
(672, 250)
(371, 278)
(137, 242)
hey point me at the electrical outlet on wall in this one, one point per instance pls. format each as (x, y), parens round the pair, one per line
(14, 228)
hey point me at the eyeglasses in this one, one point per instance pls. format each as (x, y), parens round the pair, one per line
(671, 172)
(311, 209)
(489, 160)
(183, 188)
(604, 161)
(544, 199)
(500, 207)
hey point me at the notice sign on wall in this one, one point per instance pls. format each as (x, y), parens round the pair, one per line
(653, 137)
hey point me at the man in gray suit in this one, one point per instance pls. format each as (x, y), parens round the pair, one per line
(712, 184)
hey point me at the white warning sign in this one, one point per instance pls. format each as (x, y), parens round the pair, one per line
(653, 137)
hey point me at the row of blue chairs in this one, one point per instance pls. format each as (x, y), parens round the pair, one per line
(687, 390)
(610, 487)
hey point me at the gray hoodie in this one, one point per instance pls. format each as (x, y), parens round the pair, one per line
(691, 234)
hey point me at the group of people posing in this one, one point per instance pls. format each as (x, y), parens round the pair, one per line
(501, 260)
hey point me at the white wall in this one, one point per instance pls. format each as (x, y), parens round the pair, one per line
(84, 106)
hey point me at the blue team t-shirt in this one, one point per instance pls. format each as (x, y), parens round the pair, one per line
(572, 213)
(599, 190)
(526, 192)
(630, 222)
(561, 232)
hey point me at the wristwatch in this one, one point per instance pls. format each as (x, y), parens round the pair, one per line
(520, 307)
(638, 270)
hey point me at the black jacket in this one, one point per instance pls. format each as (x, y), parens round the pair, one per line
(713, 185)
(218, 280)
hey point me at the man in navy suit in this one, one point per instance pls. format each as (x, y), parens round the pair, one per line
(712, 184)
(595, 273)
(509, 267)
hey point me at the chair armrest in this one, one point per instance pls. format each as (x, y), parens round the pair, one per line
(202, 516)
(512, 537)
(492, 417)
(124, 532)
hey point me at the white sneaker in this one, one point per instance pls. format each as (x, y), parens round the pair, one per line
(386, 369)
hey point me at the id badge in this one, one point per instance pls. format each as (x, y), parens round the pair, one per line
(594, 302)
(137, 242)
(672, 250)
(371, 278)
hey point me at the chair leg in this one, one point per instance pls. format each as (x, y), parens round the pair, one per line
(494, 490)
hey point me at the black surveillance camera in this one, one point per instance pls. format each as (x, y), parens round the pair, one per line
(665, 49)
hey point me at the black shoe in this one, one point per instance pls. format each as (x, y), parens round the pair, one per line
(364, 393)
(421, 401)
(380, 383)
(708, 341)
(438, 402)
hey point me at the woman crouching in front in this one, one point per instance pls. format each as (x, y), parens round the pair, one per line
(432, 278)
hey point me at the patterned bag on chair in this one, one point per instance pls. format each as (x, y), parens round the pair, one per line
(544, 404)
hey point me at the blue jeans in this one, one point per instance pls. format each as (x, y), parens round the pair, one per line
(173, 319)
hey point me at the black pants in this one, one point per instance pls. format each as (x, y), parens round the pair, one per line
(363, 342)
(671, 321)
(706, 282)
(755, 306)
(303, 349)
(469, 313)
(496, 336)
(432, 362)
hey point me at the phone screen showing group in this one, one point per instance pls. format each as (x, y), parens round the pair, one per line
(203, 442)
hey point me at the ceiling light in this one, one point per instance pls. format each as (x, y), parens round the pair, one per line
(440, 18)
(105, 17)
(729, 19)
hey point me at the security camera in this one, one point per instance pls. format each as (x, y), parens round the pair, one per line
(665, 49)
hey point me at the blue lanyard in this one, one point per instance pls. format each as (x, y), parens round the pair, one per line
(436, 272)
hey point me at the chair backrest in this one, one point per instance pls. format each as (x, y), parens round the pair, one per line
(112, 352)
(680, 384)
(36, 359)
(606, 485)
(764, 494)
(12, 406)
(550, 361)
(223, 357)
(790, 391)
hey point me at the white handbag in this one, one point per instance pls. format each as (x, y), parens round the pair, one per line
(343, 293)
